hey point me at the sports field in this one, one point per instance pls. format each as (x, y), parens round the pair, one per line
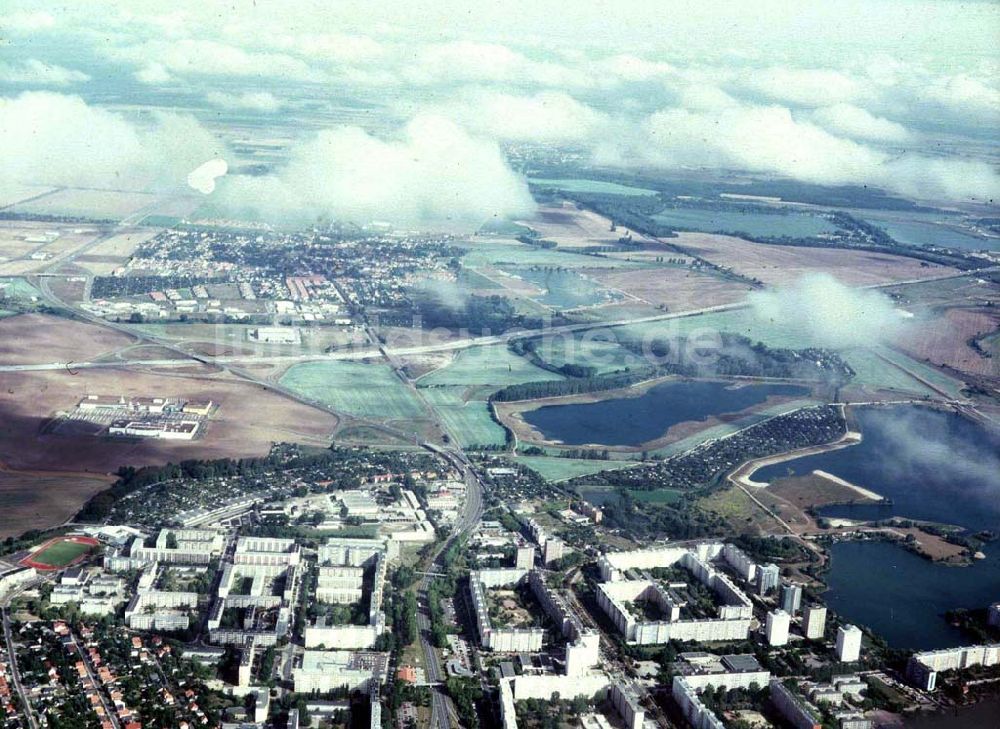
(59, 552)
(362, 390)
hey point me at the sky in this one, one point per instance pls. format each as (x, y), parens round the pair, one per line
(901, 95)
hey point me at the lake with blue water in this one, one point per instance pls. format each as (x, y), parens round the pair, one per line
(801, 225)
(934, 466)
(920, 229)
(635, 420)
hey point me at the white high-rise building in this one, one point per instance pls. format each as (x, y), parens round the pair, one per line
(768, 578)
(524, 558)
(848, 643)
(776, 628)
(814, 622)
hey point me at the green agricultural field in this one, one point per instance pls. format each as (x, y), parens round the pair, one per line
(561, 469)
(495, 253)
(17, 288)
(363, 390)
(596, 186)
(580, 349)
(876, 373)
(938, 379)
(736, 321)
(468, 420)
(657, 496)
(493, 365)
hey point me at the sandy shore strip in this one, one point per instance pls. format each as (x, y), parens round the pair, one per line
(743, 473)
(867, 493)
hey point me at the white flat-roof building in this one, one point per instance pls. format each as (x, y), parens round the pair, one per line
(776, 628)
(734, 613)
(923, 668)
(275, 335)
(848, 643)
(324, 671)
(160, 429)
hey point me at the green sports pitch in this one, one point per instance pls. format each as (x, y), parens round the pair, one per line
(60, 552)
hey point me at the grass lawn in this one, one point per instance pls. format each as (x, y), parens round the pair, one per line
(17, 288)
(362, 390)
(560, 469)
(657, 496)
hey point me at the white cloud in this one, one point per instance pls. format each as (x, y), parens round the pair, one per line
(757, 138)
(251, 100)
(203, 177)
(857, 123)
(60, 140)
(434, 171)
(197, 57)
(153, 74)
(27, 21)
(698, 97)
(548, 116)
(628, 67)
(964, 95)
(822, 311)
(39, 73)
(329, 47)
(804, 86)
(771, 139)
(467, 61)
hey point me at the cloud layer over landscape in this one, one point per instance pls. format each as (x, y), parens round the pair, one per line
(668, 85)
(433, 170)
(820, 310)
(56, 139)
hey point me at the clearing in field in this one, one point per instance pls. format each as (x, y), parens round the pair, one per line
(571, 227)
(113, 252)
(95, 204)
(675, 288)
(586, 349)
(358, 389)
(513, 253)
(60, 552)
(492, 365)
(744, 516)
(37, 500)
(562, 469)
(945, 339)
(775, 265)
(40, 338)
(248, 420)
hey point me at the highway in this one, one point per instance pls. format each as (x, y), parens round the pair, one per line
(375, 349)
(443, 714)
